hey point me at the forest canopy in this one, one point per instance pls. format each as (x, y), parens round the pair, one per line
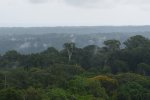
(116, 71)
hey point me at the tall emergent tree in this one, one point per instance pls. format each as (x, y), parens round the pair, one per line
(112, 44)
(70, 48)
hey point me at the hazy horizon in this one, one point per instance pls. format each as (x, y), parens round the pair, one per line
(75, 26)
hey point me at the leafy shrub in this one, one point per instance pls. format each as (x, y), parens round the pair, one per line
(10, 94)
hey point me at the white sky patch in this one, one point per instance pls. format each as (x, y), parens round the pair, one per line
(38, 1)
(74, 12)
(84, 3)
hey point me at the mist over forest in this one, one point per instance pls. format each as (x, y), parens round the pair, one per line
(37, 39)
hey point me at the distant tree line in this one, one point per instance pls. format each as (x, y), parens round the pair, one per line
(134, 57)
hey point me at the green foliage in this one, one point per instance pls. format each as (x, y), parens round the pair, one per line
(112, 45)
(136, 42)
(119, 66)
(57, 94)
(83, 86)
(32, 94)
(131, 77)
(86, 97)
(108, 83)
(143, 68)
(131, 91)
(10, 94)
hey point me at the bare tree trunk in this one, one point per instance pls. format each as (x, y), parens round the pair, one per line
(69, 56)
(5, 82)
(144, 72)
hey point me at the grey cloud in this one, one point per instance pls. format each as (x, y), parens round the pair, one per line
(105, 2)
(70, 2)
(38, 1)
(109, 4)
(86, 3)
(95, 3)
(81, 2)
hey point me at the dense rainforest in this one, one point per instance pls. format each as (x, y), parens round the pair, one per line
(115, 71)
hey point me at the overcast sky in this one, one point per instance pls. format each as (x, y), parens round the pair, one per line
(74, 12)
